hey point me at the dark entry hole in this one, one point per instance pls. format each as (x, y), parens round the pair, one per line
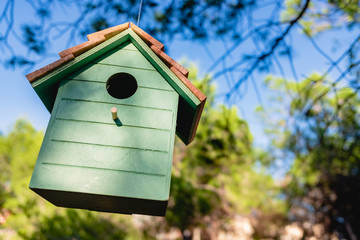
(121, 85)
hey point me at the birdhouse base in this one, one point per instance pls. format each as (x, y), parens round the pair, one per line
(103, 203)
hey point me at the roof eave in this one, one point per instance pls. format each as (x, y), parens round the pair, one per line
(46, 85)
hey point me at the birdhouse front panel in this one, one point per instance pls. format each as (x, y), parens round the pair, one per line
(124, 164)
(116, 102)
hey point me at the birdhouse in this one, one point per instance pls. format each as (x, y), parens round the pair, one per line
(116, 103)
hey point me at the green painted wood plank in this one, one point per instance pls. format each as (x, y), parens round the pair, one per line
(95, 156)
(93, 91)
(101, 73)
(128, 115)
(100, 181)
(164, 70)
(85, 132)
(126, 58)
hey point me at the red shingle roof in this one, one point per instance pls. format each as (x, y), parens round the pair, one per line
(101, 36)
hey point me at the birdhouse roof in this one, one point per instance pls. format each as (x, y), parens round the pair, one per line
(191, 102)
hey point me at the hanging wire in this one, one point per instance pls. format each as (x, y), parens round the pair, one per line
(138, 20)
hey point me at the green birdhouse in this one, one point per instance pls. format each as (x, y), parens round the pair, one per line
(116, 103)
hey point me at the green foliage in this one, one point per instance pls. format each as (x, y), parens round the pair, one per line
(322, 16)
(223, 140)
(75, 224)
(322, 136)
(351, 8)
(18, 151)
(5, 172)
(188, 204)
(325, 126)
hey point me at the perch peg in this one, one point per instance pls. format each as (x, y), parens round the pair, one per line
(114, 113)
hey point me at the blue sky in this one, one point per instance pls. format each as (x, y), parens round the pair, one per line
(19, 100)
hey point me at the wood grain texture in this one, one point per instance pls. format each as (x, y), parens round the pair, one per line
(149, 40)
(189, 85)
(94, 39)
(48, 68)
(169, 61)
(82, 47)
(109, 32)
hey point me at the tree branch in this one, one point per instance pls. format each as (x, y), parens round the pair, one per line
(275, 44)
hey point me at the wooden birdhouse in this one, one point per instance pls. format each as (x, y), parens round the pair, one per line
(116, 103)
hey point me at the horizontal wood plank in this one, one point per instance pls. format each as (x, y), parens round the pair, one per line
(100, 181)
(102, 72)
(111, 135)
(94, 91)
(104, 157)
(128, 115)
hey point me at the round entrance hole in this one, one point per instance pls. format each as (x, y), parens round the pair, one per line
(121, 85)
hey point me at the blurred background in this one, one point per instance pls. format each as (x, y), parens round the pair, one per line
(277, 151)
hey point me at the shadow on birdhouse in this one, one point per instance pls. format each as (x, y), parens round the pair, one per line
(116, 103)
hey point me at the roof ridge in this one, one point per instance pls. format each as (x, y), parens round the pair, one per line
(147, 38)
(95, 39)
